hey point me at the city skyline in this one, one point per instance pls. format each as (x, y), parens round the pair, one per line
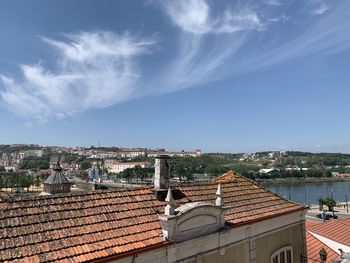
(222, 77)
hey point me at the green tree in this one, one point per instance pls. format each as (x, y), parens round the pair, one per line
(330, 202)
(85, 164)
(34, 163)
(179, 170)
(25, 181)
(189, 174)
(139, 172)
(126, 174)
(37, 181)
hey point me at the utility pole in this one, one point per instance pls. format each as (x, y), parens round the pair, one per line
(347, 206)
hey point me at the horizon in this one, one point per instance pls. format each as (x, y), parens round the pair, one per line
(226, 76)
(175, 150)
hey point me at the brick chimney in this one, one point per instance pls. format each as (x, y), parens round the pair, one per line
(161, 176)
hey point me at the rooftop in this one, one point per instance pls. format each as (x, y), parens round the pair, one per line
(313, 249)
(336, 230)
(330, 235)
(97, 225)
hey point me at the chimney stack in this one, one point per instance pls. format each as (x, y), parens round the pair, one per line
(161, 172)
(161, 177)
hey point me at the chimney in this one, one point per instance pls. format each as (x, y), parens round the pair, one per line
(161, 176)
(161, 172)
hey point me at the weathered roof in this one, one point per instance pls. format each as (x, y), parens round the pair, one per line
(4, 199)
(89, 226)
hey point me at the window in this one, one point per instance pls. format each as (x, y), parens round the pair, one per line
(283, 255)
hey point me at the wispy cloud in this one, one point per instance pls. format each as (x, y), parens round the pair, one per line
(92, 70)
(207, 40)
(280, 18)
(323, 37)
(99, 69)
(320, 7)
(197, 17)
(274, 2)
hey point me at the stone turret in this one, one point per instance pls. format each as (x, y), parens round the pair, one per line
(57, 182)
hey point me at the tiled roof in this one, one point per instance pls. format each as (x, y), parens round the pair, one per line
(4, 199)
(90, 226)
(229, 176)
(313, 249)
(337, 230)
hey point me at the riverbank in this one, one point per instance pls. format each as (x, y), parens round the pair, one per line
(301, 180)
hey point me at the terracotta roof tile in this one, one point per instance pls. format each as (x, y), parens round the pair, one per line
(88, 226)
(313, 249)
(337, 230)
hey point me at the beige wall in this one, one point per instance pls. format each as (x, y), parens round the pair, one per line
(236, 254)
(249, 243)
(267, 245)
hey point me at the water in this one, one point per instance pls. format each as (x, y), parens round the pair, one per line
(309, 193)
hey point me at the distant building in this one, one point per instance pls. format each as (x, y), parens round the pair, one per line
(118, 167)
(36, 153)
(267, 170)
(295, 168)
(341, 175)
(132, 153)
(95, 173)
(196, 153)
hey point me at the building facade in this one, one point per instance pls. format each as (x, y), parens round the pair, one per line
(118, 167)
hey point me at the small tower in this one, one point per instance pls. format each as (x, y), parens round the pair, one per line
(57, 182)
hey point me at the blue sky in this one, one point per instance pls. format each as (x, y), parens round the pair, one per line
(232, 76)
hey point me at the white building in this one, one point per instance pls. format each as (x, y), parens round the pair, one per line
(119, 167)
(132, 153)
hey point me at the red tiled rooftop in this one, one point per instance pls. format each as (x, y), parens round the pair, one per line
(314, 246)
(337, 230)
(343, 175)
(95, 225)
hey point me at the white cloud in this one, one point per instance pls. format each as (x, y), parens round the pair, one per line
(280, 18)
(192, 15)
(274, 2)
(240, 21)
(321, 7)
(324, 36)
(196, 16)
(205, 44)
(93, 70)
(321, 10)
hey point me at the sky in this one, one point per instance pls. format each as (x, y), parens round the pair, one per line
(222, 76)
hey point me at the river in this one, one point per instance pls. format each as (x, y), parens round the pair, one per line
(309, 193)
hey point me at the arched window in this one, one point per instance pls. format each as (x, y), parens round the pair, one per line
(283, 255)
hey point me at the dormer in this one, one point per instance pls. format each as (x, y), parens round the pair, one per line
(191, 220)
